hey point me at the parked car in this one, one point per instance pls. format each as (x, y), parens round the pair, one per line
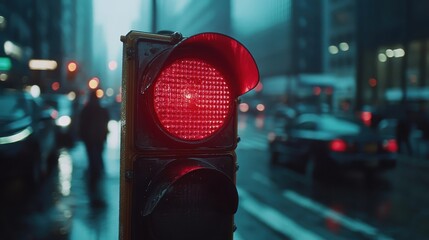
(27, 136)
(323, 143)
(66, 122)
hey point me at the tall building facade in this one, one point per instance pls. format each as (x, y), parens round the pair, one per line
(395, 53)
(383, 44)
(24, 35)
(285, 37)
(340, 32)
(78, 42)
(45, 29)
(192, 16)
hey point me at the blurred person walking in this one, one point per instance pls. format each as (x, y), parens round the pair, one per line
(423, 126)
(93, 132)
(403, 133)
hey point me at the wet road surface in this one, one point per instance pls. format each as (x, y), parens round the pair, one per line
(275, 203)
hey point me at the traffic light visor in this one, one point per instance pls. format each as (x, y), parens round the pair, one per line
(173, 181)
(233, 55)
(232, 52)
(195, 81)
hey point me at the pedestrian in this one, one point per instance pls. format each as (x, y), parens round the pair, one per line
(93, 132)
(423, 126)
(403, 132)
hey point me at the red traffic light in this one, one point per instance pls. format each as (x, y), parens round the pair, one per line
(200, 77)
(192, 86)
(179, 117)
(191, 99)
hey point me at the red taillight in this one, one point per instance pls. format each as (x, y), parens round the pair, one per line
(390, 145)
(338, 145)
(366, 117)
(192, 99)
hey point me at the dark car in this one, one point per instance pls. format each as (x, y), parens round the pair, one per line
(325, 143)
(27, 136)
(66, 125)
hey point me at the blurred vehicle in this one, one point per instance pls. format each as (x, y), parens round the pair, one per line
(372, 116)
(65, 121)
(27, 136)
(322, 143)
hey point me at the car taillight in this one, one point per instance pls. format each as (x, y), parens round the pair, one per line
(390, 145)
(191, 99)
(366, 117)
(338, 145)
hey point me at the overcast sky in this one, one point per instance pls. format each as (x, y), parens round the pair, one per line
(116, 17)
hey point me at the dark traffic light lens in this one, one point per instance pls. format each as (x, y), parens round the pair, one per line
(192, 99)
(199, 205)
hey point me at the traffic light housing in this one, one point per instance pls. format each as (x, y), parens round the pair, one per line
(179, 134)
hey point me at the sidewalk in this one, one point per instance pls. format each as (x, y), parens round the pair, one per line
(94, 205)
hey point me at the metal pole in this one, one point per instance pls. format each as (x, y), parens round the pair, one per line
(154, 16)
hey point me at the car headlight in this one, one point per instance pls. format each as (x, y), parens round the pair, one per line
(63, 121)
(16, 137)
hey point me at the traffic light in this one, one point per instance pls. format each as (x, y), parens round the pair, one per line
(179, 134)
(72, 69)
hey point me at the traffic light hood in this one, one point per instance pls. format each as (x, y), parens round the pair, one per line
(169, 183)
(230, 55)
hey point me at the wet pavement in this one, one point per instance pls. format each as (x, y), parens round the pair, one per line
(70, 204)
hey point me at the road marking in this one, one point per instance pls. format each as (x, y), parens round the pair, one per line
(351, 224)
(274, 218)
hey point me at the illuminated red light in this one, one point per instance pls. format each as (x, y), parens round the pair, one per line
(372, 82)
(366, 117)
(338, 145)
(55, 86)
(191, 99)
(390, 145)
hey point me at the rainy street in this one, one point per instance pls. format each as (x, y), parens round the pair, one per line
(275, 202)
(214, 120)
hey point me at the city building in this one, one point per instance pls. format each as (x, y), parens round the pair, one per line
(57, 31)
(383, 44)
(394, 61)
